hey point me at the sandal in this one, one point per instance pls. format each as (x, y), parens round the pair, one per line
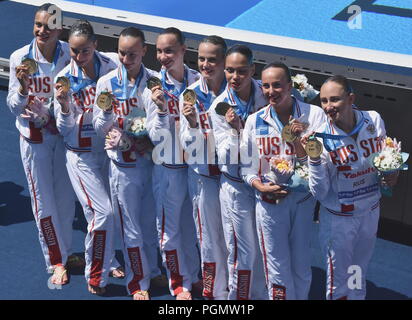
(117, 273)
(184, 295)
(96, 290)
(59, 276)
(141, 295)
(74, 262)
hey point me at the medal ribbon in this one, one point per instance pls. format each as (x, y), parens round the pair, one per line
(33, 54)
(124, 82)
(332, 141)
(275, 117)
(241, 109)
(78, 83)
(205, 96)
(171, 90)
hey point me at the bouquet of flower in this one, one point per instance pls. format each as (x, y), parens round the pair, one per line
(117, 139)
(39, 114)
(306, 90)
(281, 170)
(390, 159)
(135, 124)
(302, 171)
(137, 127)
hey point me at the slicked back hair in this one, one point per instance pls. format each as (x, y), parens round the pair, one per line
(82, 28)
(176, 32)
(217, 41)
(343, 81)
(243, 50)
(133, 32)
(281, 65)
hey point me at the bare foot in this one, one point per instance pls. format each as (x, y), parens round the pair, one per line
(141, 295)
(59, 276)
(184, 295)
(96, 290)
(117, 273)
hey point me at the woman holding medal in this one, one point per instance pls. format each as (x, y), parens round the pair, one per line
(283, 215)
(242, 97)
(32, 70)
(346, 184)
(119, 100)
(175, 223)
(204, 174)
(87, 163)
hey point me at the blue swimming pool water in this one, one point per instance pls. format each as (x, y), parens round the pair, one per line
(406, 4)
(305, 19)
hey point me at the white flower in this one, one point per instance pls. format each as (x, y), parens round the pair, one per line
(300, 82)
(137, 126)
(302, 171)
(390, 157)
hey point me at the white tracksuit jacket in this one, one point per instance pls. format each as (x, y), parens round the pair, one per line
(131, 179)
(283, 228)
(87, 165)
(174, 212)
(347, 186)
(42, 153)
(204, 181)
(237, 200)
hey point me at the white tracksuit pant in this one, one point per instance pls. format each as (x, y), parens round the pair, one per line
(176, 228)
(135, 211)
(246, 277)
(284, 236)
(204, 192)
(347, 241)
(88, 173)
(52, 196)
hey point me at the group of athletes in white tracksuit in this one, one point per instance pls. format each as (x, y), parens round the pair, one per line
(194, 193)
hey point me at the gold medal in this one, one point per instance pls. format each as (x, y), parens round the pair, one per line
(65, 83)
(189, 96)
(314, 148)
(222, 108)
(153, 82)
(30, 64)
(287, 134)
(104, 101)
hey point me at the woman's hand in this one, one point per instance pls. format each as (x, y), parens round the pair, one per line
(22, 74)
(189, 111)
(233, 119)
(158, 98)
(62, 97)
